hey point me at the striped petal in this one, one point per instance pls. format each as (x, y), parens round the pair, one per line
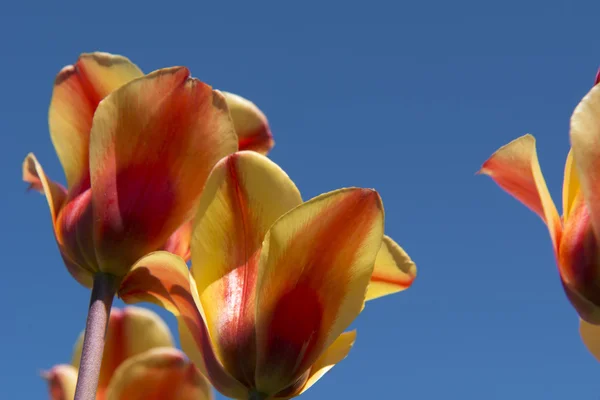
(164, 279)
(590, 334)
(161, 373)
(515, 168)
(251, 124)
(62, 380)
(243, 197)
(585, 142)
(314, 270)
(394, 271)
(130, 332)
(77, 91)
(152, 146)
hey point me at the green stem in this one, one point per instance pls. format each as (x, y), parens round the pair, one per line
(103, 292)
(257, 396)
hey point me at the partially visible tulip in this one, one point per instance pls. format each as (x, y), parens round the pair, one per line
(274, 281)
(515, 168)
(139, 363)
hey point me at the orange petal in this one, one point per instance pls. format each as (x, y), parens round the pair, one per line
(515, 168)
(313, 274)
(130, 332)
(62, 380)
(153, 144)
(163, 279)
(251, 124)
(161, 373)
(77, 91)
(33, 173)
(245, 194)
(585, 139)
(590, 334)
(394, 271)
(179, 242)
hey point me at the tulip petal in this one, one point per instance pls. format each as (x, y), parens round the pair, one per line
(394, 271)
(62, 380)
(130, 332)
(314, 270)
(245, 194)
(77, 91)
(335, 353)
(153, 144)
(515, 168)
(585, 142)
(161, 373)
(571, 187)
(33, 173)
(163, 279)
(250, 123)
(590, 334)
(179, 242)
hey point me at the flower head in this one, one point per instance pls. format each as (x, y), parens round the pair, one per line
(274, 281)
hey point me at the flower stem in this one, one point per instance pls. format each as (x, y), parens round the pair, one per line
(257, 396)
(103, 292)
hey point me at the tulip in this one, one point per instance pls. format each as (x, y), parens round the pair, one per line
(139, 362)
(515, 169)
(274, 281)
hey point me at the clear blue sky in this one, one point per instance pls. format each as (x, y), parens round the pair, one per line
(406, 97)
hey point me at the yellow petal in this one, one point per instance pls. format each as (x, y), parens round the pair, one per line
(394, 271)
(515, 168)
(243, 197)
(163, 278)
(585, 142)
(251, 124)
(314, 270)
(62, 380)
(152, 146)
(571, 187)
(77, 91)
(590, 334)
(130, 332)
(161, 373)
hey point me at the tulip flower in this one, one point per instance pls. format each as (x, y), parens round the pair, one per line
(139, 363)
(274, 281)
(515, 168)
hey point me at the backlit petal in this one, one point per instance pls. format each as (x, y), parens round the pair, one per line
(77, 91)
(251, 124)
(130, 332)
(153, 144)
(161, 373)
(585, 141)
(179, 242)
(314, 270)
(394, 271)
(163, 279)
(243, 197)
(515, 168)
(590, 334)
(33, 173)
(571, 186)
(62, 380)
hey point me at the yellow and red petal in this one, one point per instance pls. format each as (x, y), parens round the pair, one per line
(571, 187)
(130, 332)
(314, 269)
(250, 123)
(153, 144)
(77, 91)
(163, 278)
(245, 194)
(394, 270)
(515, 168)
(590, 334)
(161, 373)
(62, 380)
(179, 242)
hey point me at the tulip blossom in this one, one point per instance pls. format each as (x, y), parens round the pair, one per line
(139, 363)
(515, 168)
(274, 281)
(170, 159)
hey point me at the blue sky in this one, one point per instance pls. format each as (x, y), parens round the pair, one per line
(406, 97)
